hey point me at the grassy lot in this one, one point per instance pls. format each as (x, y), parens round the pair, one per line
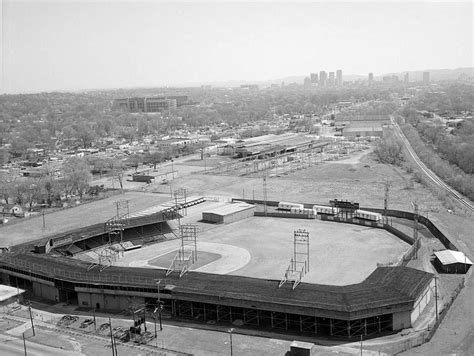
(76, 217)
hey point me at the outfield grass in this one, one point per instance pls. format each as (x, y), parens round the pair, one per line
(339, 253)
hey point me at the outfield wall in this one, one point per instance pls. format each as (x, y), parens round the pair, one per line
(390, 212)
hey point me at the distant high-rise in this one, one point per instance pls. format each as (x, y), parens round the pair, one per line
(371, 78)
(406, 78)
(339, 77)
(314, 78)
(307, 82)
(332, 79)
(323, 77)
(426, 77)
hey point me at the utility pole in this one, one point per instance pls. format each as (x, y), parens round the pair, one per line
(111, 337)
(95, 324)
(230, 336)
(415, 227)
(24, 342)
(385, 201)
(265, 192)
(361, 345)
(31, 318)
(436, 296)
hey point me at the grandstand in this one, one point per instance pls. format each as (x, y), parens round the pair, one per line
(145, 226)
(385, 301)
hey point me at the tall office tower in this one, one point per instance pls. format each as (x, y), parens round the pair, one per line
(406, 78)
(307, 82)
(426, 77)
(371, 78)
(339, 77)
(332, 79)
(323, 77)
(314, 78)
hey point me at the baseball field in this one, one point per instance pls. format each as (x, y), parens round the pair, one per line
(262, 247)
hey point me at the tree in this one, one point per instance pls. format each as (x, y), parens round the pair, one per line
(100, 165)
(134, 161)
(7, 186)
(118, 171)
(4, 156)
(76, 173)
(28, 193)
(154, 158)
(19, 147)
(85, 134)
(389, 150)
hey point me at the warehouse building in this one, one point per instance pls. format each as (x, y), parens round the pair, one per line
(229, 213)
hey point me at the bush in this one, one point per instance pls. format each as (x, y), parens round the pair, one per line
(389, 150)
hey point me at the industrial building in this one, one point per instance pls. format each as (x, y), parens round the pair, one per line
(449, 261)
(363, 131)
(150, 104)
(229, 213)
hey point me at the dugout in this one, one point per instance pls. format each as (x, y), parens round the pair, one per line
(449, 261)
(229, 213)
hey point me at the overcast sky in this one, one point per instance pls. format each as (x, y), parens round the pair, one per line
(71, 45)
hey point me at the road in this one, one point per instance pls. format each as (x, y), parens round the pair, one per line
(428, 173)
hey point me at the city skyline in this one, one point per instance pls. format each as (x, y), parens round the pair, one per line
(78, 45)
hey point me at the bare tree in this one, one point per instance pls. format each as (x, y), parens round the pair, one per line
(118, 170)
(76, 172)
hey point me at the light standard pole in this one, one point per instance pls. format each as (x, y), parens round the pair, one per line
(230, 336)
(31, 318)
(159, 302)
(154, 318)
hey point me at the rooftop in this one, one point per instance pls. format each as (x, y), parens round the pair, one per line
(385, 287)
(229, 208)
(447, 257)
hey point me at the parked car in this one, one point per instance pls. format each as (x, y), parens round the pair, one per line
(67, 320)
(86, 323)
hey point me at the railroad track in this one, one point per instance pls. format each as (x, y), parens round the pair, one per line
(433, 177)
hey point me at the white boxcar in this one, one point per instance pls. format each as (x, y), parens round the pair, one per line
(368, 215)
(288, 206)
(324, 209)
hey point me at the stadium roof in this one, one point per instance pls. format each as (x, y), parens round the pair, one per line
(385, 287)
(448, 257)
